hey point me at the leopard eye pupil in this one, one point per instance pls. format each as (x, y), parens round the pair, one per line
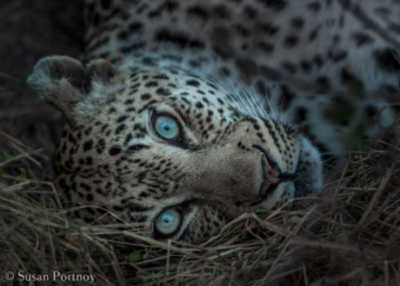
(167, 127)
(168, 222)
(167, 218)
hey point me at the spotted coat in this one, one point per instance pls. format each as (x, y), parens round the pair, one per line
(256, 90)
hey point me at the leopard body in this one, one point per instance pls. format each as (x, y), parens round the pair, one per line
(259, 92)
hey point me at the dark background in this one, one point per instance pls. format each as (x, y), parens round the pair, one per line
(29, 30)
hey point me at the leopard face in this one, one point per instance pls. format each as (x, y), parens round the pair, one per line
(169, 150)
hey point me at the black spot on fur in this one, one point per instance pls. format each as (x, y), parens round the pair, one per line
(268, 28)
(122, 35)
(161, 77)
(395, 28)
(100, 146)
(362, 38)
(199, 12)
(383, 11)
(163, 91)
(270, 73)
(135, 27)
(346, 76)
(199, 105)
(172, 85)
(248, 68)
(133, 47)
(222, 38)
(250, 12)
(289, 67)
(180, 39)
(86, 187)
(220, 101)
(286, 97)
(170, 6)
(313, 34)
(221, 11)
(120, 128)
(225, 71)
(122, 118)
(167, 6)
(265, 47)
(142, 8)
(297, 23)
(193, 82)
(151, 84)
(195, 63)
(291, 41)
(116, 12)
(137, 147)
(318, 61)
(114, 150)
(89, 197)
(314, 6)
(171, 57)
(301, 114)
(88, 130)
(336, 39)
(260, 87)
(241, 30)
(87, 145)
(145, 96)
(338, 56)
(128, 138)
(386, 60)
(97, 44)
(306, 66)
(276, 5)
(323, 84)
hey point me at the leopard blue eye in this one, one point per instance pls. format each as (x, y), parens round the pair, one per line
(167, 127)
(168, 222)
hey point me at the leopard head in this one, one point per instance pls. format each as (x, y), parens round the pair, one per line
(173, 152)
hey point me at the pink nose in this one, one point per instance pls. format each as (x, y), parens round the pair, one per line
(270, 177)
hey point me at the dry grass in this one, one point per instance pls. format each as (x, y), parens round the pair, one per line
(349, 234)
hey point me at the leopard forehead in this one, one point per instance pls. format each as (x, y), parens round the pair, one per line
(203, 105)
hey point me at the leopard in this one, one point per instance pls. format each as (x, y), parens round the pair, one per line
(184, 114)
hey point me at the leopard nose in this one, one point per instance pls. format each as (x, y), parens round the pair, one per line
(270, 176)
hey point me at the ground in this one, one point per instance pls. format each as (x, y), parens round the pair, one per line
(349, 234)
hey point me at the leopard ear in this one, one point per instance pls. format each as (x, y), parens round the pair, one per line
(102, 69)
(61, 81)
(66, 83)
